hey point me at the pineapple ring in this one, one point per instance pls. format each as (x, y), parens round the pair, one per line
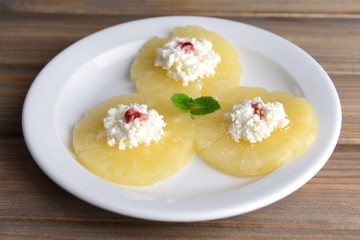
(154, 81)
(216, 147)
(138, 166)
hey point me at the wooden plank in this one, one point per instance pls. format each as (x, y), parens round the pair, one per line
(34, 40)
(14, 85)
(141, 230)
(319, 8)
(334, 43)
(349, 92)
(31, 205)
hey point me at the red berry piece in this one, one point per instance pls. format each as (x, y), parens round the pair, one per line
(133, 114)
(258, 110)
(186, 46)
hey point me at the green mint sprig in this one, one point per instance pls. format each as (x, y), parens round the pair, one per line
(198, 106)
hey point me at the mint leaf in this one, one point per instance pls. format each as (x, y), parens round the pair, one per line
(189, 103)
(199, 106)
(205, 105)
(182, 102)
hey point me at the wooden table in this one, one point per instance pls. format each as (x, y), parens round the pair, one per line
(32, 206)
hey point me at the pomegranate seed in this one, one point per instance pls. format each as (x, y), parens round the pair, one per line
(133, 114)
(186, 46)
(258, 110)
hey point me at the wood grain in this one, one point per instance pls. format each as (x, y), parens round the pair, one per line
(314, 8)
(35, 40)
(34, 207)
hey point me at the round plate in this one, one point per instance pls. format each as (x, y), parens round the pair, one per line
(97, 67)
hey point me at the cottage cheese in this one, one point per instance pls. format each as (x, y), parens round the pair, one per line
(187, 59)
(253, 120)
(131, 134)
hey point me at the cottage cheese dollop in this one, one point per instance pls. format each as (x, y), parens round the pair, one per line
(187, 59)
(129, 126)
(253, 120)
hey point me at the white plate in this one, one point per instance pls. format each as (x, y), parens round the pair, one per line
(97, 67)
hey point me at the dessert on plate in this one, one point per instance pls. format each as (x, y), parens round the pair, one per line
(140, 139)
(255, 131)
(133, 140)
(191, 60)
